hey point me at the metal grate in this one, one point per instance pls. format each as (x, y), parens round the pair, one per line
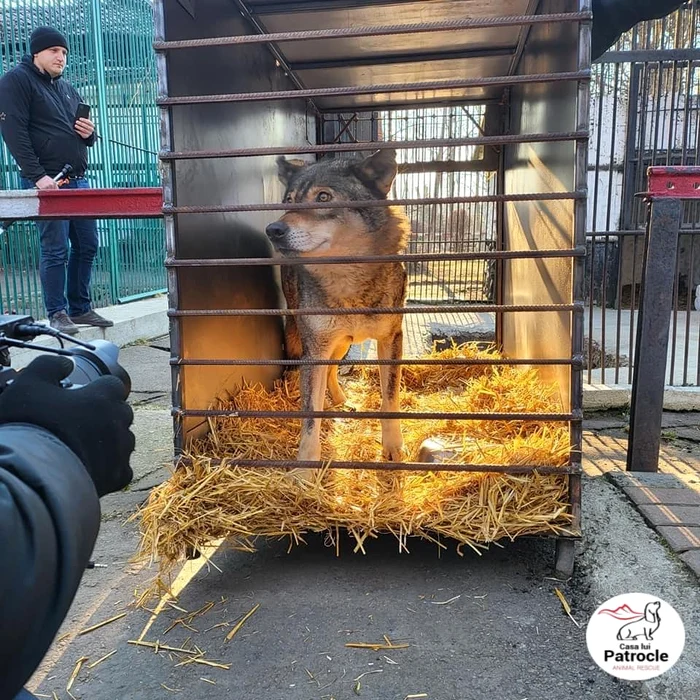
(434, 173)
(645, 112)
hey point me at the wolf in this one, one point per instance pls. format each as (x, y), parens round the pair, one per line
(351, 231)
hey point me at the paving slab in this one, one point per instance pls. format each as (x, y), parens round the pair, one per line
(681, 539)
(691, 433)
(651, 480)
(672, 419)
(663, 496)
(605, 423)
(692, 559)
(149, 370)
(671, 515)
(153, 429)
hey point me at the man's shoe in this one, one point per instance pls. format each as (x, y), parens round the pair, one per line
(61, 322)
(91, 318)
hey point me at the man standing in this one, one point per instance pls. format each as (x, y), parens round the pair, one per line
(38, 124)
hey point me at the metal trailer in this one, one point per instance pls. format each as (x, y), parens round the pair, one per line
(242, 82)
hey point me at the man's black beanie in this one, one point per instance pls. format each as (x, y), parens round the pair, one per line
(44, 38)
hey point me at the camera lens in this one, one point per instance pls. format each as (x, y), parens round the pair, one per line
(91, 364)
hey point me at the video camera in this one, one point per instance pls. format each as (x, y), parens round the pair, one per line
(90, 360)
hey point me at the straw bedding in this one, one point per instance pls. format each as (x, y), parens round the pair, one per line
(202, 503)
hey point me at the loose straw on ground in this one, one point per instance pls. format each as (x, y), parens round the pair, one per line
(102, 624)
(202, 503)
(101, 659)
(241, 622)
(78, 665)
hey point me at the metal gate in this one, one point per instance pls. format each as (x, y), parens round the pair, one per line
(437, 172)
(112, 65)
(644, 112)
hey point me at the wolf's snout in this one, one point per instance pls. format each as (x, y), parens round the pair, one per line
(276, 230)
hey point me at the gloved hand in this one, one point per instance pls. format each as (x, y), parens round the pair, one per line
(93, 420)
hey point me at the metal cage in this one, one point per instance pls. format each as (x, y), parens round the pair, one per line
(489, 102)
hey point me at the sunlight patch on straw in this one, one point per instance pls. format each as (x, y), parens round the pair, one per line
(201, 503)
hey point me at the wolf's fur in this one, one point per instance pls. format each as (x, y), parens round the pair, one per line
(314, 233)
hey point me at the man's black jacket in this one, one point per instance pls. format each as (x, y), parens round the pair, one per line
(37, 116)
(49, 519)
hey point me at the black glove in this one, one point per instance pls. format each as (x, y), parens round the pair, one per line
(93, 420)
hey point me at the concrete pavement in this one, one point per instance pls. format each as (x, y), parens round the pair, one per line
(477, 627)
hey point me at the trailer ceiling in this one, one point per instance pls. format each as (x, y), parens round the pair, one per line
(404, 58)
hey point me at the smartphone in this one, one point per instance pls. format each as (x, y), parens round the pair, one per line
(83, 111)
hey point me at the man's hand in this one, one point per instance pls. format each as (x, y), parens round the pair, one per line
(93, 420)
(84, 128)
(46, 183)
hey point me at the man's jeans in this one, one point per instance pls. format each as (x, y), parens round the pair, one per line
(24, 694)
(55, 236)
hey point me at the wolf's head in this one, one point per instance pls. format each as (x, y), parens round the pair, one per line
(339, 231)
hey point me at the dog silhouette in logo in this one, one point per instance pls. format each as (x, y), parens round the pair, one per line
(645, 627)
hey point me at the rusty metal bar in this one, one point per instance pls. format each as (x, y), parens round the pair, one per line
(167, 173)
(473, 308)
(386, 30)
(579, 252)
(383, 59)
(390, 466)
(655, 307)
(376, 203)
(376, 146)
(573, 361)
(362, 415)
(565, 550)
(386, 88)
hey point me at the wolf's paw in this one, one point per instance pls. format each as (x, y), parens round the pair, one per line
(394, 451)
(302, 475)
(336, 400)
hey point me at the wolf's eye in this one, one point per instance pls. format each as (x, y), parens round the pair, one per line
(288, 199)
(323, 197)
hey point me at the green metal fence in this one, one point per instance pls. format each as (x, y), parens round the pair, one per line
(111, 63)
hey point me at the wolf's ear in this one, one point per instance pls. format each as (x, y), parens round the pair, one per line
(287, 169)
(379, 169)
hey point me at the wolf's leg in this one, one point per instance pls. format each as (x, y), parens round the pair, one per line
(391, 348)
(313, 391)
(338, 397)
(292, 341)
